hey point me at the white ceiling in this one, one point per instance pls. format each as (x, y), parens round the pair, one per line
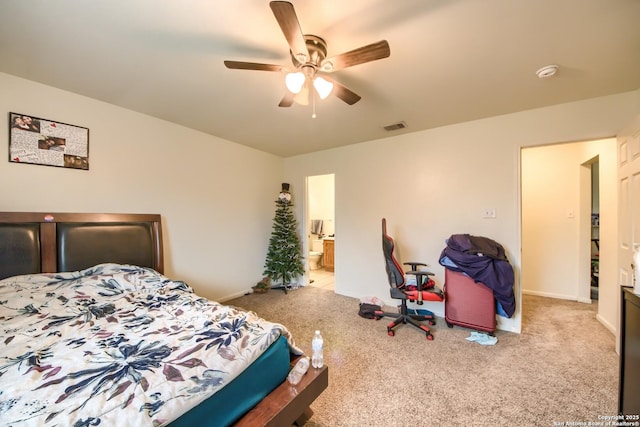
(451, 60)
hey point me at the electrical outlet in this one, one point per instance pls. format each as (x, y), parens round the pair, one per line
(489, 213)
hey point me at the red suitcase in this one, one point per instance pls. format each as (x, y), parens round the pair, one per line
(467, 303)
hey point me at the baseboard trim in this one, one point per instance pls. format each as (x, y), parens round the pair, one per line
(607, 325)
(236, 295)
(554, 295)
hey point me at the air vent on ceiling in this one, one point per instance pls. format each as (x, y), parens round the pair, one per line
(395, 126)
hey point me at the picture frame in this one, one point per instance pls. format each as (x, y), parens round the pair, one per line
(34, 140)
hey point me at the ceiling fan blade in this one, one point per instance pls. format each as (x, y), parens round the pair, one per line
(361, 55)
(343, 93)
(286, 16)
(239, 65)
(287, 100)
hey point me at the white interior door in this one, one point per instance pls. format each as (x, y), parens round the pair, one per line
(629, 199)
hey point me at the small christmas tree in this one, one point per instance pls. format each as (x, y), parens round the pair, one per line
(284, 257)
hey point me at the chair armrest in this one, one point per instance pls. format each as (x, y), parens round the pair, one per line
(419, 273)
(414, 264)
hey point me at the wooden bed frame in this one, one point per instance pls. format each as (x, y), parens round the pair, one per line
(38, 242)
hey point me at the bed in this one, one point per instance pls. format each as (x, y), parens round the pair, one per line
(92, 332)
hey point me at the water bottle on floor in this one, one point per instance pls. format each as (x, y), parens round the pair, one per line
(317, 358)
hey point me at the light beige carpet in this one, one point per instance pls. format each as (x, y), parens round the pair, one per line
(562, 368)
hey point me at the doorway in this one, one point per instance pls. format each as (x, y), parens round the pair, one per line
(320, 230)
(561, 186)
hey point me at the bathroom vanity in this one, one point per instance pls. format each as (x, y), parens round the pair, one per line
(328, 254)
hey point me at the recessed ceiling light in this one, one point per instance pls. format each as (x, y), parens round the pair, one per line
(547, 71)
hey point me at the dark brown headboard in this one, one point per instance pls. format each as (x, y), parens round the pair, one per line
(36, 242)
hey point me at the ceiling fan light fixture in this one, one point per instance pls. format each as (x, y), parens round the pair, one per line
(308, 54)
(295, 81)
(323, 87)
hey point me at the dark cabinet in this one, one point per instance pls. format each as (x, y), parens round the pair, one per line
(629, 392)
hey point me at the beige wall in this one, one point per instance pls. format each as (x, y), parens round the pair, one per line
(216, 198)
(435, 183)
(428, 184)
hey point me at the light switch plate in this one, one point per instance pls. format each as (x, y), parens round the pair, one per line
(489, 213)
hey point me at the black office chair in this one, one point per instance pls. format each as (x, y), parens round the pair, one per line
(425, 289)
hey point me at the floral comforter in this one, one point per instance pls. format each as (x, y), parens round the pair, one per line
(117, 345)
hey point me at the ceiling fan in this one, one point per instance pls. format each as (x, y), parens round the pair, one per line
(310, 61)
